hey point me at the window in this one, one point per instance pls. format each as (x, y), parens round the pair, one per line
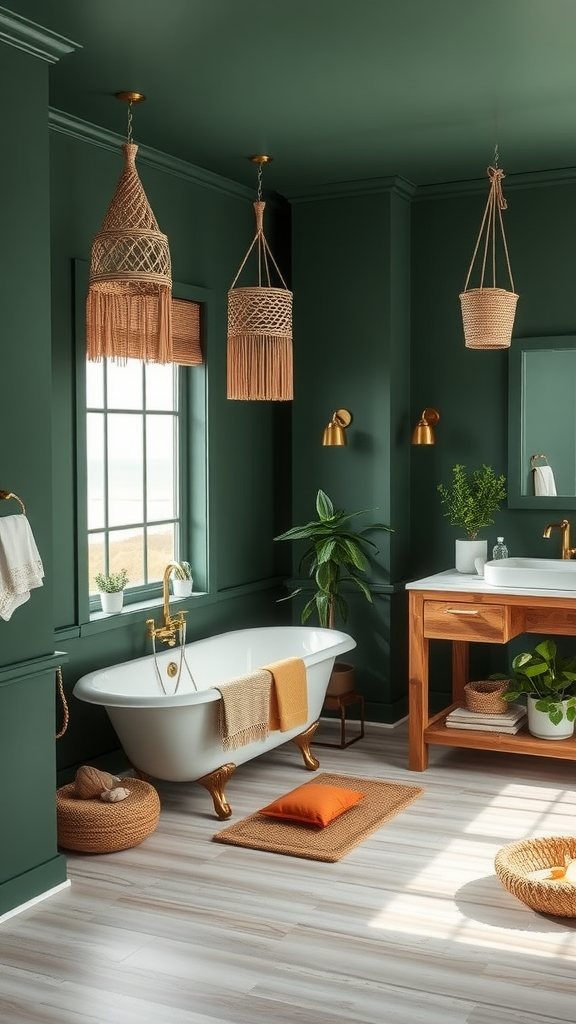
(133, 445)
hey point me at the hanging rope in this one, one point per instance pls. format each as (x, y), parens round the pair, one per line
(63, 701)
(495, 202)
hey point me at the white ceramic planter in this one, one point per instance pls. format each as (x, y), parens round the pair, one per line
(112, 603)
(181, 588)
(539, 723)
(467, 551)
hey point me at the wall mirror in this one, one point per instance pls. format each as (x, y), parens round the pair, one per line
(542, 422)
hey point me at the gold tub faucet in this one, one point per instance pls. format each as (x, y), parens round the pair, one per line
(564, 526)
(166, 633)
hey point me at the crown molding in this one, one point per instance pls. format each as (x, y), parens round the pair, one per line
(34, 39)
(75, 127)
(345, 189)
(528, 179)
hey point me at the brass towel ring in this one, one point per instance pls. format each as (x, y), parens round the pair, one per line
(9, 494)
(533, 460)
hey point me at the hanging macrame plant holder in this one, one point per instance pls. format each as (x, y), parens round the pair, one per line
(260, 331)
(488, 312)
(128, 310)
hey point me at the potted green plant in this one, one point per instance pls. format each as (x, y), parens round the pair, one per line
(182, 579)
(471, 502)
(549, 683)
(111, 587)
(337, 556)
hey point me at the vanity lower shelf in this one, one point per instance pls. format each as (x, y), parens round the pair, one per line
(522, 742)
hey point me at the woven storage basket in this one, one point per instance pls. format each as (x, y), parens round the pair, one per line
(94, 826)
(486, 696)
(516, 860)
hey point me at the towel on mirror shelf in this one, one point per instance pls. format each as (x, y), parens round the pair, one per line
(21, 567)
(544, 483)
(289, 694)
(244, 709)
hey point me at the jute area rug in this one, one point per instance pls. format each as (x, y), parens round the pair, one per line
(383, 801)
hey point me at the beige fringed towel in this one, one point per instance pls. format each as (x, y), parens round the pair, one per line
(21, 568)
(244, 709)
(289, 694)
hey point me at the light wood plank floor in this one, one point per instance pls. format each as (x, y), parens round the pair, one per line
(412, 927)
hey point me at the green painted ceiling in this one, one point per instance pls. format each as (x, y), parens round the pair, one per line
(335, 90)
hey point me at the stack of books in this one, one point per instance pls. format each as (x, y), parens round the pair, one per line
(509, 721)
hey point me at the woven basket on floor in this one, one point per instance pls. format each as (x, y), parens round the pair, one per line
(515, 861)
(486, 696)
(94, 826)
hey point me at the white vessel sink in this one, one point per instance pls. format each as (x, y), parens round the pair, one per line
(532, 573)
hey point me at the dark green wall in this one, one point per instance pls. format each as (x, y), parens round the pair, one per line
(29, 861)
(351, 278)
(470, 388)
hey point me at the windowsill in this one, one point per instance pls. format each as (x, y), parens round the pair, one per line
(135, 612)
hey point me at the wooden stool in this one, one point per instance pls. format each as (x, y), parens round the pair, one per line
(340, 703)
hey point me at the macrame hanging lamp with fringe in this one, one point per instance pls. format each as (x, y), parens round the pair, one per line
(488, 312)
(260, 325)
(128, 309)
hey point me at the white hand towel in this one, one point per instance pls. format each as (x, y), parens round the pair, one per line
(544, 482)
(21, 567)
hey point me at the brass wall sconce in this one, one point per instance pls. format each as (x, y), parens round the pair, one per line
(424, 430)
(335, 432)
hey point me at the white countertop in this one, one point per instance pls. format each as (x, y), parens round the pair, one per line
(466, 583)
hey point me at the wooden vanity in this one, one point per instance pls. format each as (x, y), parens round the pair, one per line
(465, 609)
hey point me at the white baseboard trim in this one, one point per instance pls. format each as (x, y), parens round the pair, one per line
(371, 725)
(37, 899)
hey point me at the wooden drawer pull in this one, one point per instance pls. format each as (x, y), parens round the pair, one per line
(462, 611)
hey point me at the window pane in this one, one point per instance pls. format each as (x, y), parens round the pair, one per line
(125, 384)
(125, 469)
(160, 467)
(95, 385)
(161, 386)
(127, 552)
(160, 550)
(95, 470)
(95, 559)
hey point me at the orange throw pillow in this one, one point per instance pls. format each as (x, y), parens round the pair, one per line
(313, 804)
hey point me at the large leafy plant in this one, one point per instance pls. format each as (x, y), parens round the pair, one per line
(543, 675)
(473, 498)
(337, 555)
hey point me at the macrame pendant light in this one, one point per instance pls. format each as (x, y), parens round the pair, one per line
(260, 325)
(488, 313)
(128, 309)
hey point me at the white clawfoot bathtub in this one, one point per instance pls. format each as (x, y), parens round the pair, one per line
(174, 735)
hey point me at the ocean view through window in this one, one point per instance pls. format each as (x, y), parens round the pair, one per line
(133, 419)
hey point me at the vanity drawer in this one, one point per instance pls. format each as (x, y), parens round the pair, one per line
(459, 620)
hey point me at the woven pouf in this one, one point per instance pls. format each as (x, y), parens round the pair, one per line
(515, 861)
(94, 826)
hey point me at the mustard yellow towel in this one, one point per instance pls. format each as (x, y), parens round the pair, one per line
(289, 694)
(244, 709)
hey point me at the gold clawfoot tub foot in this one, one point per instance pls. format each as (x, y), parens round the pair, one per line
(215, 783)
(303, 742)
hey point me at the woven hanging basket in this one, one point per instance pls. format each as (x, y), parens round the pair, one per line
(260, 332)
(128, 310)
(488, 313)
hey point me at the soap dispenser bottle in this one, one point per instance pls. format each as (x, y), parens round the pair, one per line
(499, 550)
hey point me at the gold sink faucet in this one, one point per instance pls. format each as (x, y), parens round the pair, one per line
(564, 526)
(167, 632)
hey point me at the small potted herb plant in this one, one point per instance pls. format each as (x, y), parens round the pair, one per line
(111, 586)
(471, 501)
(549, 683)
(182, 579)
